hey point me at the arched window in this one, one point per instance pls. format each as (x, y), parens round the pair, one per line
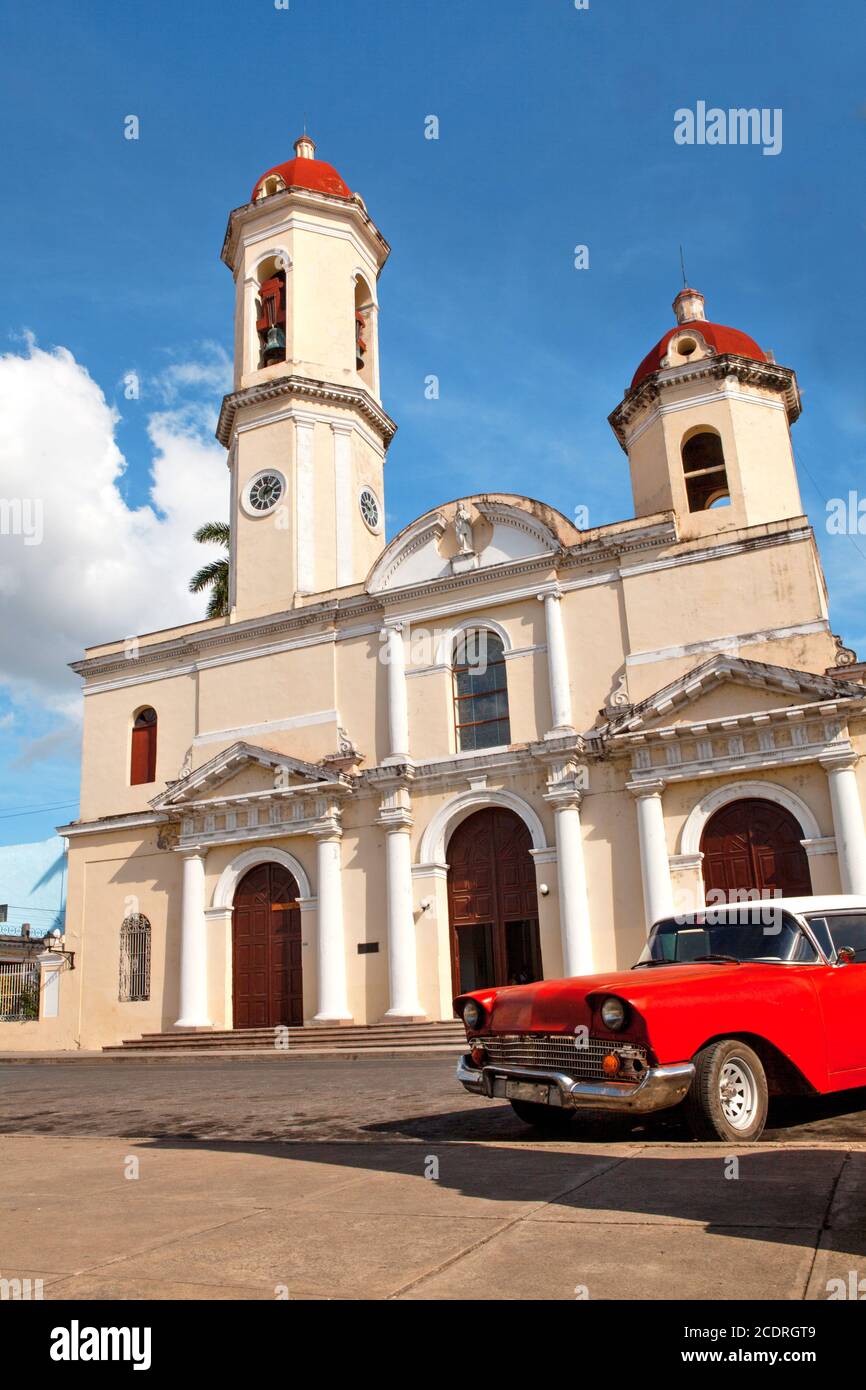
(704, 468)
(480, 690)
(134, 959)
(274, 183)
(142, 766)
(271, 311)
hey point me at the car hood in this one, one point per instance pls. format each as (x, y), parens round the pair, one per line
(555, 1005)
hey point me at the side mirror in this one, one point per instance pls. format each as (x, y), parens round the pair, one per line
(845, 955)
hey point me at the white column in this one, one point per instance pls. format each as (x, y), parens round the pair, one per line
(250, 346)
(193, 947)
(847, 820)
(658, 898)
(573, 900)
(557, 665)
(344, 502)
(398, 707)
(402, 957)
(333, 1001)
(305, 519)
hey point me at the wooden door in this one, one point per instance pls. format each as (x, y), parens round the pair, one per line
(493, 906)
(754, 845)
(267, 983)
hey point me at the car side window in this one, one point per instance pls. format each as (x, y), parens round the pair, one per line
(821, 933)
(804, 951)
(849, 929)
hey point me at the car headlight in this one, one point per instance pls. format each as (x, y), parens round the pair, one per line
(613, 1014)
(472, 1013)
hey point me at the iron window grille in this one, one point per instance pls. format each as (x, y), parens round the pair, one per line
(19, 991)
(134, 959)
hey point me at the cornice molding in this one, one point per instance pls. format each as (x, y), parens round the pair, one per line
(353, 209)
(304, 388)
(715, 367)
(196, 648)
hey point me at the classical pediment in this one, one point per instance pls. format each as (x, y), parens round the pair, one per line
(246, 770)
(733, 716)
(476, 534)
(727, 688)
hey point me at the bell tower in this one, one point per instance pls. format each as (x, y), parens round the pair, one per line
(304, 424)
(706, 423)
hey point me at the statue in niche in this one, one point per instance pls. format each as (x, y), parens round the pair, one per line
(463, 530)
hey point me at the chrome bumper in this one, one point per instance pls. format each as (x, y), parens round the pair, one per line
(658, 1088)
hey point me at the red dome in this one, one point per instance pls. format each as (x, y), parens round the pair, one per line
(304, 171)
(716, 335)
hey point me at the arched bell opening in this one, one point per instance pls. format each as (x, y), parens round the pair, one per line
(271, 311)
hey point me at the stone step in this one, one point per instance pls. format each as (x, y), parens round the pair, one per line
(407, 1044)
(446, 1051)
(387, 1030)
(352, 1038)
(313, 1037)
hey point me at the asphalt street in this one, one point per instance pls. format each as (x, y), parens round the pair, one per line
(366, 1099)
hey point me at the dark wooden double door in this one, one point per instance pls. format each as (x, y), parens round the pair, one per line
(492, 901)
(267, 983)
(754, 845)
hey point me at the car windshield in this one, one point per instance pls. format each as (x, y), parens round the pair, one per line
(757, 932)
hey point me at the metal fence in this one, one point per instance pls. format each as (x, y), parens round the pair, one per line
(19, 990)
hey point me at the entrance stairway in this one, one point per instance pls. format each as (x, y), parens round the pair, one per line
(350, 1040)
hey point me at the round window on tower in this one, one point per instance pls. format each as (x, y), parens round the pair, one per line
(370, 509)
(264, 492)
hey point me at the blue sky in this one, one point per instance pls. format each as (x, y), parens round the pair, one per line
(556, 128)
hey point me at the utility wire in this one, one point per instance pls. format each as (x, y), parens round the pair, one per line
(798, 455)
(16, 907)
(35, 810)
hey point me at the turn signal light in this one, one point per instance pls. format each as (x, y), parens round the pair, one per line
(611, 1064)
(478, 1055)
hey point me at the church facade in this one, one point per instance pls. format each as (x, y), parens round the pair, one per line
(492, 749)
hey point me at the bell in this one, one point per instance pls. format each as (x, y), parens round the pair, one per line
(275, 345)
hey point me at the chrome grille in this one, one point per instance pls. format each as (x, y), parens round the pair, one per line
(558, 1051)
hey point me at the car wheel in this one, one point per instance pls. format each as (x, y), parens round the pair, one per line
(552, 1119)
(728, 1095)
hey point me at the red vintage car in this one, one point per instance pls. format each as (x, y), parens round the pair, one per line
(724, 1008)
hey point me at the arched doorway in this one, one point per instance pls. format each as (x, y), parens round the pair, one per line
(267, 984)
(492, 902)
(754, 845)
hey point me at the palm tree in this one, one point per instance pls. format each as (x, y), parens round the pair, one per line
(214, 576)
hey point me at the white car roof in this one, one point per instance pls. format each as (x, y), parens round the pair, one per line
(818, 902)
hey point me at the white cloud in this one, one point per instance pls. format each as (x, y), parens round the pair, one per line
(211, 370)
(103, 570)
